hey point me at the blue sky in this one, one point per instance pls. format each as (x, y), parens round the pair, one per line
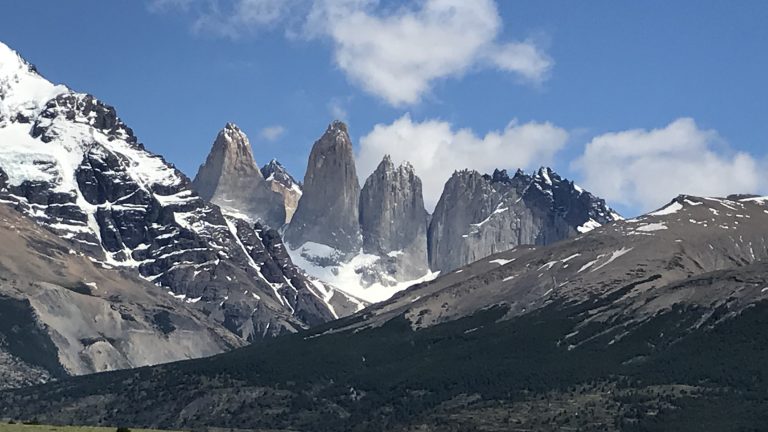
(637, 101)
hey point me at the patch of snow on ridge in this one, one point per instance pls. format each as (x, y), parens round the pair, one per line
(588, 226)
(615, 255)
(757, 200)
(324, 263)
(501, 261)
(589, 264)
(668, 210)
(651, 227)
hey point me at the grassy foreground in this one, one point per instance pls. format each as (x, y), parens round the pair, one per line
(4, 427)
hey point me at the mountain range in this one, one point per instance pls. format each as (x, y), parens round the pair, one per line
(646, 324)
(68, 163)
(246, 299)
(213, 245)
(373, 241)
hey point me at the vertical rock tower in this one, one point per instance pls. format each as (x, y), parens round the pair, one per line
(327, 213)
(231, 179)
(393, 219)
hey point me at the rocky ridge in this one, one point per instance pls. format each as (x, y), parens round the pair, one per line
(64, 314)
(280, 181)
(479, 215)
(628, 314)
(70, 164)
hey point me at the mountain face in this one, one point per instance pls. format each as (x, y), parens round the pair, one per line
(327, 213)
(71, 165)
(479, 215)
(654, 323)
(280, 181)
(393, 220)
(389, 251)
(64, 314)
(231, 179)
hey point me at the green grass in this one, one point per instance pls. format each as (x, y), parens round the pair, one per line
(4, 427)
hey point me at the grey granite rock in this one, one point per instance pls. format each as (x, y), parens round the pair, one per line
(480, 215)
(328, 211)
(393, 220)
(231, 179)
(88, 181)
(280, 181)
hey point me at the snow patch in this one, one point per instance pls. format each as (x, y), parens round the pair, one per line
(668, 210)
(651, 227)
(345, 275)
(614, 256)
(588, 226)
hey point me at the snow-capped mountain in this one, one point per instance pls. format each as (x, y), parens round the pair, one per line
(68, 162)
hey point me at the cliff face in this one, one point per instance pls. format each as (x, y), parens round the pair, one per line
(231, 179)
(327, 213)
(479, 215)
(280, 181)
(393, 219)
(72, 166)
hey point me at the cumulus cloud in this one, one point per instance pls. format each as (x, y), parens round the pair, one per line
(272, 133)
(644, 169)
(398, 55)
(394, 53)
(436, 149)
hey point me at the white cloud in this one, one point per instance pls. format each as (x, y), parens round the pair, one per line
(644, 169)
(398, 55)
(436, 150)
(243, 17)
(523, 58)
(394, 53)
(272, 133)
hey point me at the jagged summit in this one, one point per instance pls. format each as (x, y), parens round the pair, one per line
(274, 170)
(281, 181)
(479, 215)
(68, 163)
(393, 220)
(232, 147)
(231, 179)
(338, 126)
(22, 89)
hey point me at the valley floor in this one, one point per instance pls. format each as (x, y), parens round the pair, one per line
(17, 427)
